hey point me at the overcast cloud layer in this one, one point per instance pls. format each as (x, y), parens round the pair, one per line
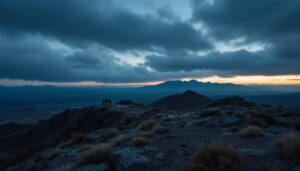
(73, 41)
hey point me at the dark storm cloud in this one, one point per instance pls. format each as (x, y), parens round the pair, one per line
(98, 29)
(225, 64)
(263, 19)
(274, 23)
(97, 21)
(30, 58)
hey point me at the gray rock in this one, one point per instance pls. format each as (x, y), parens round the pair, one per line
(131, 159)
(90, 167)
(68, 157)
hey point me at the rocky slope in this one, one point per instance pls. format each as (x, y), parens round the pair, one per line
(137, 137)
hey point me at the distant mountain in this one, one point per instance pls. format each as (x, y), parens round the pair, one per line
(189, 100)
(206, 88)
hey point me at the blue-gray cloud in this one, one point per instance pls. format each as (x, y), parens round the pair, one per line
(95, 29)
(97, 21)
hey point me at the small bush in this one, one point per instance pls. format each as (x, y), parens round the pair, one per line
(297, 124)
(120, 139)
(138, 141)
(161, 129)
(251, 132)
(257, 121)
(288, 146)
(147, 125)
(76, 139)
(215, 158)
(96, 154)
(146, 135)
(268, 119)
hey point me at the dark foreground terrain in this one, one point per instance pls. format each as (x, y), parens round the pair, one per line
(170, 134)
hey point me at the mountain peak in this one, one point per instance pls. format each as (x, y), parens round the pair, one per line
(189, 100)
(190, 92)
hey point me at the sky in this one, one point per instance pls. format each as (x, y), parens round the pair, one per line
(138, 42)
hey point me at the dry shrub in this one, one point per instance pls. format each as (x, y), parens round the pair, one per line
(252, 132)
(96, 154)
(215, 158)
(161, 129)
(267, 118)
(288, 146)
(76, 139)
(297, 124)
(120, 139)
(146, 135)
(257, 121)
(147, 125)
(138, 141)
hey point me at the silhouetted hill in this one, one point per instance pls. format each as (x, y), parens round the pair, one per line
(189, 100)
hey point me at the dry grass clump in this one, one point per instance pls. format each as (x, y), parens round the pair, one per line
(161, 129)
(147, 125)
(252, 132)
(76, 139)
(215, 158)
(120, 139)
(138, 141)
(297, 124)
(288, 146)
(267, 118)
(257, 121)
(96, 154)
(109, 134)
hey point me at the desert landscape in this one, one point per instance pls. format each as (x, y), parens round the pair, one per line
(185, 132)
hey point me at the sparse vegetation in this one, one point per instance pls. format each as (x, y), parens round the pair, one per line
(257, 121)
(161, 129)
(76, 139)
(252, 132)
(215, 158)
(267, 118)
(147, 125)
(96, 154)
(138, 141)
(120, 139)
(288, 146)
